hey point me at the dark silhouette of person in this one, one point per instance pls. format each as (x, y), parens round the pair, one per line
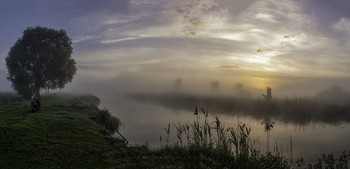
(35, 104)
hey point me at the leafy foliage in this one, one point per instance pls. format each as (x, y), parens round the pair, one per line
(40, 59)
(110, 123)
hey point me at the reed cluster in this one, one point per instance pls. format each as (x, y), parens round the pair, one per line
(210, 144)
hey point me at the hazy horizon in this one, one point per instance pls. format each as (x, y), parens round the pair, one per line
(296, 47)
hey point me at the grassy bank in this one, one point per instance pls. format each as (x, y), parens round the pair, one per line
(61, 135)
(69, 132)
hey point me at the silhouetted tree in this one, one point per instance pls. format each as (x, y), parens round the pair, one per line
(215, 86)
(40, 59)
(268, 95)
(178, 84)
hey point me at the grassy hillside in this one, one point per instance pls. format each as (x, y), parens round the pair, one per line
(61, 135)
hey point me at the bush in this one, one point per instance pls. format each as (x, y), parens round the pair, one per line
(110, 123)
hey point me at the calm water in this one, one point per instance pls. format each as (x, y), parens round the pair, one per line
(145, 123)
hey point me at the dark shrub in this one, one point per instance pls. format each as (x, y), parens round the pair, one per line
(110, 123)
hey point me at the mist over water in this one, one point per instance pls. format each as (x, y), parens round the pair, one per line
(329, 106)
(313, 122)
(145, 119)
(314, 119)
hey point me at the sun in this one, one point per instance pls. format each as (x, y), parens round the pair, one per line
(260, 83)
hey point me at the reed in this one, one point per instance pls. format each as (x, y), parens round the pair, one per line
(327, 161)
(167, 130)
(206, 133)
(207, 143)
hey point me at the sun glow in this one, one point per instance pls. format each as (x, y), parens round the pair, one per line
(260, 83)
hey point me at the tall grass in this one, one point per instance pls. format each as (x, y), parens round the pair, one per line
(213, 136)
(328, 161)
(268, 127)
(205, 143)
(206, 133)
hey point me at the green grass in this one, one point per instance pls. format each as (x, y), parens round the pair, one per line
(61, 135)
(66, 133)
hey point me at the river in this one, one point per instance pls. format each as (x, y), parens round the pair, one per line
(144, 122)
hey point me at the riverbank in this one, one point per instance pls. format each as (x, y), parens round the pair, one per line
(60, 135)
(64, 134)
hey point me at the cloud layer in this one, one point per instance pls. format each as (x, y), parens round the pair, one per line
(256, 42)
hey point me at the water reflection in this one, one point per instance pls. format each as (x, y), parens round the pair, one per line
(296, 110)
(145, 117)
(312, 127)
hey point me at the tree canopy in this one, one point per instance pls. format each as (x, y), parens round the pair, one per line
(40, 59)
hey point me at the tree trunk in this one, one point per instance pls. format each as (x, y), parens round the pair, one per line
(37, 92)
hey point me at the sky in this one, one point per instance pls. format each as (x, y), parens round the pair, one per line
(295, 46)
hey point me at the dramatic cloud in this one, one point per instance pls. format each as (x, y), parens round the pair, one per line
(264, 41)
(255, 41)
